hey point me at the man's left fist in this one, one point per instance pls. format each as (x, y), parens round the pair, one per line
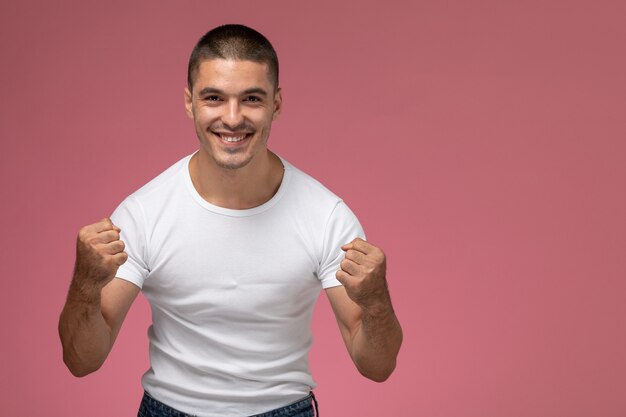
(362, 273)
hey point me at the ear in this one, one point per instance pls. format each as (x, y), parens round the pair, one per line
(188, 103)
(278, 103)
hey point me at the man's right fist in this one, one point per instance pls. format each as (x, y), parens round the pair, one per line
(99, 252)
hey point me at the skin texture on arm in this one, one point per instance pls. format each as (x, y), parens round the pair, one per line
(362, 306)
(97, 302)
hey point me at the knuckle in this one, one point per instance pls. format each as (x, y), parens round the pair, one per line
(97, 256)
(83, 232)
(122, 258)
(110, 262)
(90, 240)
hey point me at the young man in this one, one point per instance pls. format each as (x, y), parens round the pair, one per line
(231, 246)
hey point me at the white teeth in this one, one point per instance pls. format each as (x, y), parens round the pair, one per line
(233, 138)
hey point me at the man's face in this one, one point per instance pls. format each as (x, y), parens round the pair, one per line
(233, 104)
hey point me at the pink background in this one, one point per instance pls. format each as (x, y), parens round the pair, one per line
(481, 143)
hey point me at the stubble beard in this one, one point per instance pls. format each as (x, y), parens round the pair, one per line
(235, 163)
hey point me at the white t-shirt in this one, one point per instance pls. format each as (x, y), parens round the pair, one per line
(232, 291)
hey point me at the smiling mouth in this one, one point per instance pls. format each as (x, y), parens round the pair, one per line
(232, 137)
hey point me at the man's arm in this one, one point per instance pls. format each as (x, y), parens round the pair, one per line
(366, 319)
(97, 302)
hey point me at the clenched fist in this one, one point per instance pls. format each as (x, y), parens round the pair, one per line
(362, 273)
(99, 253)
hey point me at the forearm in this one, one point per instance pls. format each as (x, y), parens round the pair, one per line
(376, 342)
(85, 335)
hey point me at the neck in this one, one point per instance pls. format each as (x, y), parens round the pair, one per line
(237, 189)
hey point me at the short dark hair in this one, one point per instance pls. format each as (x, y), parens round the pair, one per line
(237, 42)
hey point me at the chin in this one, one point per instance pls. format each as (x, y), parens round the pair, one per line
(232, 163)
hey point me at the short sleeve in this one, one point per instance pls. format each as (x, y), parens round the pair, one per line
(342, 227)
(128, 216)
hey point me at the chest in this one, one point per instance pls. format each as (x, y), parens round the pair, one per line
(232, 266)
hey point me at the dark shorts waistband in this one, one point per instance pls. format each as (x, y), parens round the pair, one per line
(151, 407)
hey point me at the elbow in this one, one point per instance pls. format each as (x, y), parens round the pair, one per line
(379, 374)
(80, 371)
(80, 362)
(79, 368)
(381, 368)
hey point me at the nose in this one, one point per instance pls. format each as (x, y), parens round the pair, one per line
(232, 116)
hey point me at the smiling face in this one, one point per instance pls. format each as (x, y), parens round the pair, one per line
(232, 104)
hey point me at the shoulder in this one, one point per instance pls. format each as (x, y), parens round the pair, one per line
(156, 193)
(307, 187)
(313, 199)
(166, 179)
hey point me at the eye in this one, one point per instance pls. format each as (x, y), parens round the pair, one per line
(211, 98)
(253, 99)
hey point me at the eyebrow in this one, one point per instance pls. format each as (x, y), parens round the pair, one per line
(213, 90)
